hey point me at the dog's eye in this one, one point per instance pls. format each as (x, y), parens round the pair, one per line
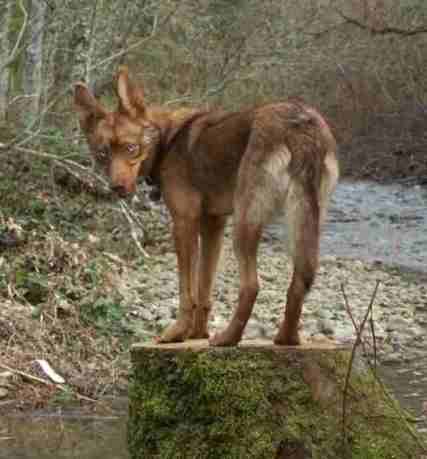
(132, 147)
(103, 153)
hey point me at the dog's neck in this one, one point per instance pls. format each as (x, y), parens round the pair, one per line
(170, 123)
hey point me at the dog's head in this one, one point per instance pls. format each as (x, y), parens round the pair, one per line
(122, 142)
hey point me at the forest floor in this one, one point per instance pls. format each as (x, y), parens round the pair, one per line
(76, 291)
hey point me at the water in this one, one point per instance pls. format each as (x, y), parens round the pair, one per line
(366, 221)
(373, 222)
(63, 436)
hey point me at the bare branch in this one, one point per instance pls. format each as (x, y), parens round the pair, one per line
(22, 140)
(124, 51)
(359, 332)
(15, 49)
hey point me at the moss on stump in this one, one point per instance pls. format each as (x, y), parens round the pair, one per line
(258, 401)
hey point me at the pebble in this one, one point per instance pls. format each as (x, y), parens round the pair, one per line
(392, 359)
(326, 327)
(6, 379)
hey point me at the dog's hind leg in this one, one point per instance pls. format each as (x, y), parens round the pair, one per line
(303, 215)
(246, 240)
(212, 232)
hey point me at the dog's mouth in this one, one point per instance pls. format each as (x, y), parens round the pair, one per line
(122, 192)
(149, 180)
(155, 194)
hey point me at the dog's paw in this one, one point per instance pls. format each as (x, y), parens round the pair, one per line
(225, 338)
(282, 339)
(175, 333)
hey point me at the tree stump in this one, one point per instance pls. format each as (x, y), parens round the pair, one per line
(258, 401)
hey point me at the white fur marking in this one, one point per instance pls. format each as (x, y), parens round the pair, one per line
(271, 184)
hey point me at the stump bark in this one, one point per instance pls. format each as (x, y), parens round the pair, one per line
(258, 401)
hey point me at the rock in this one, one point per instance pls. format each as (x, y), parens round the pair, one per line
(326, 326)
(64, 308)
(344, 333)
(146, 314)
(6, 379)
(392, 359)
(256, 330)
(3, 393)
(397, 324)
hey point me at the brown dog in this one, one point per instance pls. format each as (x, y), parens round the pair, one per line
(209, 164)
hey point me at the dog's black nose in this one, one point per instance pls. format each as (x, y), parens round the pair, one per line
(120, 190)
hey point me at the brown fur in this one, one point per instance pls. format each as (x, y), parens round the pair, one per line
(209, 164)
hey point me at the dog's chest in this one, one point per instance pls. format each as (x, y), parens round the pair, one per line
(218, 203)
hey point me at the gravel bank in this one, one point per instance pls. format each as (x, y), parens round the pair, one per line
(400, 308)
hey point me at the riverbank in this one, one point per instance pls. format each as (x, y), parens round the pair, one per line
(80, 303)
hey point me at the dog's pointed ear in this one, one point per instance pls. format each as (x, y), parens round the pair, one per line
(131, 96)
(87, 106)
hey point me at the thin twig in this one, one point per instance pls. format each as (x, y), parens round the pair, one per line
(374, 340)
(133, 230)
(359, 331)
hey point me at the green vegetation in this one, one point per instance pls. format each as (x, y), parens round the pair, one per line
(257, 404)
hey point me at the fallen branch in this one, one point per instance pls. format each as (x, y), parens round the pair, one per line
(384, 30)
(27, 375)
(63, 162)
(45, 382)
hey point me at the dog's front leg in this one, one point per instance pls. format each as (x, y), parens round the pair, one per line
(186, 236)
(212, 232)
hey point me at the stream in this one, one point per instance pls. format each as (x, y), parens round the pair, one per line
(384, 223)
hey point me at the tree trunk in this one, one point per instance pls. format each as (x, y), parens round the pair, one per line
(33, 75)
(5, 50)
(259, 401)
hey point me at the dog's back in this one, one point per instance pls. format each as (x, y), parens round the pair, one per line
(278, 154)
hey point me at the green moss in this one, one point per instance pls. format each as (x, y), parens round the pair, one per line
(231, 404)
